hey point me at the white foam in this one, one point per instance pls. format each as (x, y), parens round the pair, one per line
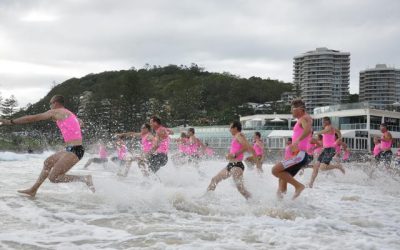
(340, 212)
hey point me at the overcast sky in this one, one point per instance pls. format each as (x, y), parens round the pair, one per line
(53, 40)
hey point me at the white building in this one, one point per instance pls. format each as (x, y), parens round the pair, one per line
(323, 77)
(380, 86)
(358, 122)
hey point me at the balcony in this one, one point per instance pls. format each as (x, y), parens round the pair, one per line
(278, 127)
(390, 127)
(351, 126)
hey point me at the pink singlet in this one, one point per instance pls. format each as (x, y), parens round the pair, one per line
(209, 152)
(163, 145)
(258, 149)
(183, 146)
(297, 131)
(122, 152)
(385, 144)
(192, 149)
(70, 127)
(103, 152)
(328, 140)
(236, 147)
(377, 149)
(146, 144)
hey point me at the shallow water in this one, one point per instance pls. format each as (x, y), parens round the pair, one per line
(341, 212)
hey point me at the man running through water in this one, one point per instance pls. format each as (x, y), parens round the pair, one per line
(235, 166)
(329, 143)
(287, 169)
(146, 141)
(194, 145)
(158, 154)
(102, 156)
(57, 165)
(258, 147)
(386, 153)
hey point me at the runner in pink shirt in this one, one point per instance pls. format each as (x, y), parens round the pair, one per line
(258, 147)
(195, 147)
(385, 156)
(103, 156)
(57, 165)
(302, 134)
(146, 144)
(181, 156)
(160, 146)
(235, 167)
(331, 140)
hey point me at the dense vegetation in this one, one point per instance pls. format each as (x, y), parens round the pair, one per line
(114, 101)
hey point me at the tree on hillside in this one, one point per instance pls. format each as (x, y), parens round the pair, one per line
(123, 100)
(8, 107)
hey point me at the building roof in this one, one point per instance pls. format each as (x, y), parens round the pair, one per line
(280, 133)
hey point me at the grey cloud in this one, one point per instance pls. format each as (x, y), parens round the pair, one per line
(211, 32)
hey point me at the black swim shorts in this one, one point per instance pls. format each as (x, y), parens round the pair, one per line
(79, 151)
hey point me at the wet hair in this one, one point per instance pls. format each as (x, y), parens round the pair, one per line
(384, 125)
(191, 130)
(320, 137)
(257, 134)
(327, 119)
(236, 124)
(59, 98)
(298, 103)
(147, 126)
(289, 139)
(156, 119)
(183, 135)
(377, 138)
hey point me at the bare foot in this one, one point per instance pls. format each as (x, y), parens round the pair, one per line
(279, 195)
(29, 192)
(310, 185)
(298, 191)
(342, 169)
(89, 183)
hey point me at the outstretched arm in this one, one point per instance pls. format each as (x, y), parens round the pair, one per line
(128, 134)
(326, 130)
(29, 118)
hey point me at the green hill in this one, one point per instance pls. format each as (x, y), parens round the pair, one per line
(114, 101)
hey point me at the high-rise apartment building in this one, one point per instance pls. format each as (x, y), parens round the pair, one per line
(380, 86)
(322, 75)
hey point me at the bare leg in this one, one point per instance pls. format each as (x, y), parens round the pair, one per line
(259, 162)
(282, 188)
(63, 165)
(222, 175)
(237, 174)
(314, 174)
(127, 166)
(325, 167)
(90, 161)
(47, 166)
(279, 171)
(143, 167)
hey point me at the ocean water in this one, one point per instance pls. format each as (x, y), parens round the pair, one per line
(351, 211)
